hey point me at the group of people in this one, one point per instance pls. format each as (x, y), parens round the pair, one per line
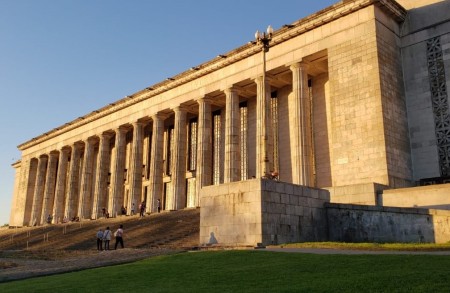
(141, 208)
(104, 237)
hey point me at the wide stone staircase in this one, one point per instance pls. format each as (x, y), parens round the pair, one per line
(175, 229)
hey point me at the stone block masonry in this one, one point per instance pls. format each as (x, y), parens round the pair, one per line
(357, 223)
(260, 211)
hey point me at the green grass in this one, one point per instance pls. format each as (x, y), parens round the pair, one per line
(372, 246)
(254, 271)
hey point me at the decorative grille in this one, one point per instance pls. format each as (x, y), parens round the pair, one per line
(190, 202)
(170, 147)
(439, 101)
(192, 145)
(243, 143)
(217, 126)
(274, 116)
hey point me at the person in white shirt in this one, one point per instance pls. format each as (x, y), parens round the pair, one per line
(119, 235)
(107, 237)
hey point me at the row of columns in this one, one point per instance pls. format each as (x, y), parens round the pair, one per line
(85, 196)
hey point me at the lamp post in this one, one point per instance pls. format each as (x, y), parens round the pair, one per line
(264, 40)
(263, 133)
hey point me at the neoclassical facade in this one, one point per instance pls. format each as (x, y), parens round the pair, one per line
(341, 101)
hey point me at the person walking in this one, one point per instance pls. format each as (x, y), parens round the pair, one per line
(158, 205)
(119, 236)
(100, 240)
(107, 237)
(132, 209)
(142, 211)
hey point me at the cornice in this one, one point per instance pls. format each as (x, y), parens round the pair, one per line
(17, 164)
(281, 35)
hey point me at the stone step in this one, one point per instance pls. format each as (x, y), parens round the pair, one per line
(167, 229)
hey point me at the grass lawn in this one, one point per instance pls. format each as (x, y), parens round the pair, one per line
(254, 271)
(372, 246)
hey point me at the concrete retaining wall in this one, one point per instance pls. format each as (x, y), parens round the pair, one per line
(357, 223)
(431, 197)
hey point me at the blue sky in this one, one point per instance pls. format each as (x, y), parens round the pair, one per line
(61, 59)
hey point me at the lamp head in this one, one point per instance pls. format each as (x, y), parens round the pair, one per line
(269, 30)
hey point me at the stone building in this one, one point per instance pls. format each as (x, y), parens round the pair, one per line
(351, 101)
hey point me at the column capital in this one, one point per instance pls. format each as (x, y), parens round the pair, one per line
(232, 89)
(78, 144)
(106, 135)
(204, 99)
(159, 116)
(299, 65)
(138, 123)
(92, 139)
(54, 154)
(121, 129)
(66, 149)
(180, 109)
(43, 157)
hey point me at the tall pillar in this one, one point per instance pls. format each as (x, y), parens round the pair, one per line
(117, 173)
(179, 160)
(49, 191)
(27, 185)
(232, 151)
(85, 204)
(204, 147)
(74, 182)
(101, 177)
(302, 136)
(156, 164)
(263, 128)
(136, 165)
(58, 207)
(39, 191)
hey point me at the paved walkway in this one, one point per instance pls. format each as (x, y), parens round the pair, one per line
(351, 252)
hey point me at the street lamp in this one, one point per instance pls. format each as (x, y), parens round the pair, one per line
(263, 39)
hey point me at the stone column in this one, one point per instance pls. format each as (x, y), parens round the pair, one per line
(58, 208)
(136, 166)
(28, 183)
(117, 173)
(232, 151)
(302, 136)
(101, 178)
(263, 128)
(49, 191)
(39, 191)
(156, 164)
(74, 182)
(179, 160)
(204, 147)
(85, 204)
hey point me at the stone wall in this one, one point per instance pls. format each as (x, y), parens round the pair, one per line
(358, 142)
(363, 194)
(353, 223)
(395, 122)
(431, 197)
(259, 211)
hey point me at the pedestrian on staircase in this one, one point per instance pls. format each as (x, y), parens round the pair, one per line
(100, 240)
(119, 236)
(142, 209)
(107, 237)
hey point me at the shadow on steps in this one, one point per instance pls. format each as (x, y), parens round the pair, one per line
(176, 229)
